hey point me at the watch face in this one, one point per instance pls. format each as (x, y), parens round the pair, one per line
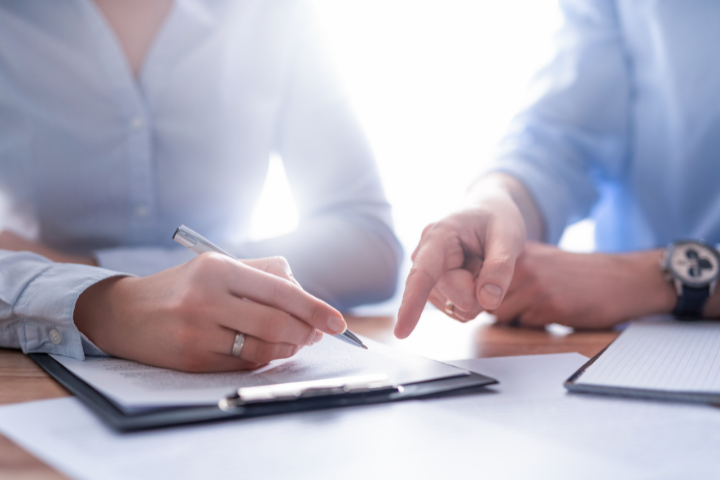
(694, 264)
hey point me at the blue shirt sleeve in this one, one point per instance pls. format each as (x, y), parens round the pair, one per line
(37, 302)
(574, 134)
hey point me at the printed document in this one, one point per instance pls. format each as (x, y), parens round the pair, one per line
(132, 385)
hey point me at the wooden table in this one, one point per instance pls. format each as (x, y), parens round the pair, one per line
(436, 337)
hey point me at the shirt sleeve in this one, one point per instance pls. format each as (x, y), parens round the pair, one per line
(574, 134)
(37, 302)
(344, 250)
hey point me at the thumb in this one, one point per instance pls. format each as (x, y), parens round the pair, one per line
(503, 245)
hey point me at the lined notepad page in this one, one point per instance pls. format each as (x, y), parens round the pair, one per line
(663, 355)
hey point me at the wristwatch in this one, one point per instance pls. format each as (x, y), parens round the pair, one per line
(694, 268)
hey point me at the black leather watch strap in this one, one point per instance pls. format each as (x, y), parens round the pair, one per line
(691, 302)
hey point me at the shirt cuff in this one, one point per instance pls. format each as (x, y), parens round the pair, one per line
(46, 309)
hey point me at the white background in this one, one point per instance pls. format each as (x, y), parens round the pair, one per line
(434, 84)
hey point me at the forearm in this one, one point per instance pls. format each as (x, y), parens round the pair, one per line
(498, 183)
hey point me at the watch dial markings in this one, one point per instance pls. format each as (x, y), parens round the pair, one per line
(693, 263)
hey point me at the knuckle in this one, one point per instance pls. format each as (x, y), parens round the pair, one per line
(277, 266)
(318, 313)
(428, 228)
(308, 337)
(208, 264)
(281, 262)
(208, 259)
(280, 294)
(417, 272)
(499, 268)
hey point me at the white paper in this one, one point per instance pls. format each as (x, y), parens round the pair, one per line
(649, 439)
(133, 385)
(527, 427)
(664, 355)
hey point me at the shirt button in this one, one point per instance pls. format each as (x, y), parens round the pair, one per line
(137, 123)
(55, 337)
(142, 210)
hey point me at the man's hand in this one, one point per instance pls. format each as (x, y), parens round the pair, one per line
(15, 243)
(468, 258)
(187, 317)
(584, 290)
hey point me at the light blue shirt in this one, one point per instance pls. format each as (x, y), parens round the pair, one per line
(94, 161)
(626, 124)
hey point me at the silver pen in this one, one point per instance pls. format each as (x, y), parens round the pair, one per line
(199, 244)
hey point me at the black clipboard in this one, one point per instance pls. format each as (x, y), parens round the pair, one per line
(674, 395)
(174, 416)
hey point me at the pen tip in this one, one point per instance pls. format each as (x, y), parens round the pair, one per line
(364, 346)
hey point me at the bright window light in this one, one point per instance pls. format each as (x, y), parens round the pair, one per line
(434, 84)
(275, 213)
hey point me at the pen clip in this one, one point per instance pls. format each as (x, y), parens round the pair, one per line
(310, 389)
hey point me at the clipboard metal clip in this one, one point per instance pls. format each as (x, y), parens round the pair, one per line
(315, 388)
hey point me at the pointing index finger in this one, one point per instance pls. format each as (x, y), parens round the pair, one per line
(426, 271)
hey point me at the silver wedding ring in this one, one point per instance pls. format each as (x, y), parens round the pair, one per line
(449, 308)
(238, 345)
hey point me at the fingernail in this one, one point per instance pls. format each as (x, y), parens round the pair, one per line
(490, 295)
(317, 337)
(336, 324)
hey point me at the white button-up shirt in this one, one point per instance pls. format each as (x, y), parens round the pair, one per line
(106, 164)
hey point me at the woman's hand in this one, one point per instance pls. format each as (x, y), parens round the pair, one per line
(584, 290)
(186, 317)
(468, 258)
